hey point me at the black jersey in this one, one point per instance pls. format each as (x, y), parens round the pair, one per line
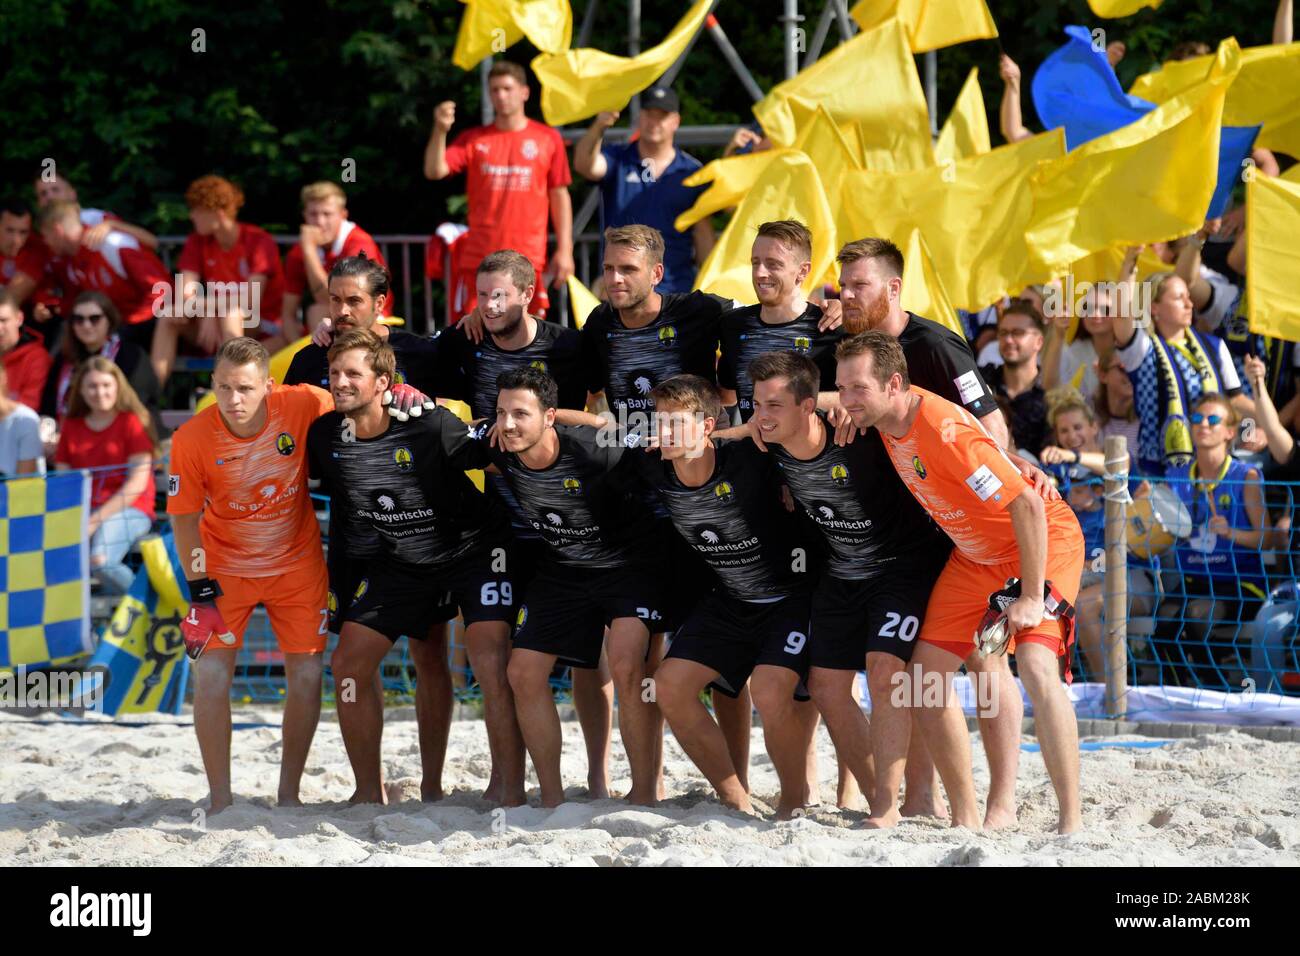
(940, 361)
(416, 363)
(626, 363)
(745, 336)
(404, 493)
(586, 507)
(735, 521)
(468, 372)
(867, 517)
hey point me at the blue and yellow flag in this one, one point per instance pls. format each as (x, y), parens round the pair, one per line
(142, 654)
(44, 570)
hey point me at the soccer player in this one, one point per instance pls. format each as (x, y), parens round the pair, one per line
(724, 500)
(238, 255)
(407, 508)
(1002, 530)
(359, 291)
(506, 283)
(883, 555)
(121, 268)
(516, 173)
(783, 319)
(939, 360)
(246, 534)
(326, 236)
(599, 570)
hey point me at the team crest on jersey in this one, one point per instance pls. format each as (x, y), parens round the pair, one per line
(399, 377)
(918, 466)
(572, 486)
(284, 443)
(403, 458)
(539, 365)
(668, 336)
(362, 588)
(802, 344)
(723, 491)
(522, 617)
(332, 601)
(839, 474)
(529, 149)
(1225, 500)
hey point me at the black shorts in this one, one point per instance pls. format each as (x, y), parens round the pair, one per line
(566, 609)
(346, 575)
(687, 577)
(733, 637)
(853, 618)
(403, 600)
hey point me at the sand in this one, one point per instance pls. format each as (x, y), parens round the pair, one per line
(103, 793)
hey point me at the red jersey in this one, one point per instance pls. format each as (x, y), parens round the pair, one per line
(254, 253)
(80, 446)
(509, 175)
(33, 261)
(121, 269)
(352, 240)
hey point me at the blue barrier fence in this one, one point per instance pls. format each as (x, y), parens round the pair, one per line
(1202, 611)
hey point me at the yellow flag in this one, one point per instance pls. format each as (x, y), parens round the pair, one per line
(581, 301)
(834, 158)
(1113, 9)
(1273, 269)
(972, 215)
(1145, 182)
(871, 81)
(729, 179)
(492, 26)
(923, 292)
(1104, 266)
(1292, 175)
(930, 24)
(966, 131)
(789, 188)
(1264, 92)
(581, 83)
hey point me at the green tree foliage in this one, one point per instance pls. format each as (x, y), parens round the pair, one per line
(284, 93)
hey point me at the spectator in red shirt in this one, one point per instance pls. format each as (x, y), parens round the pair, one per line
(231, 280)
(23, 256)
(108, 430)
(121, 268)
(26, 362)
(326, 236)
(516, 172)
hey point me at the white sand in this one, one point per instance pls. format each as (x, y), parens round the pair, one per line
(106, 794)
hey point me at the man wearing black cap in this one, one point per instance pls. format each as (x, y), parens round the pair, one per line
(641, 183)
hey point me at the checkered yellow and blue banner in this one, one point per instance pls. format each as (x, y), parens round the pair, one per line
(141, 653)
(44, 570)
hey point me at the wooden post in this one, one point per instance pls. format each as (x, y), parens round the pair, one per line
(1116, 582)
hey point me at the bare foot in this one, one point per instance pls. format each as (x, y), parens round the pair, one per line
(552, 801)
(970, 822)
(430, 794)
(1073, 825)
(885, 821)
(999, 818)
(743, 805)
(640, 799)
(289, 801)
(790, 811)
(597, 789)
(369, 796)
(516, 799)
(216, 805)
(924, 805)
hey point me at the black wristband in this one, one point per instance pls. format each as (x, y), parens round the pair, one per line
(204, 591)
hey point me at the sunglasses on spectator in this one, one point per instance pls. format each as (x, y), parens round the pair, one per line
(1197, 418)
(79, 318)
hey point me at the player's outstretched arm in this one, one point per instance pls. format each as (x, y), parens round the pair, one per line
(1029, 520)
